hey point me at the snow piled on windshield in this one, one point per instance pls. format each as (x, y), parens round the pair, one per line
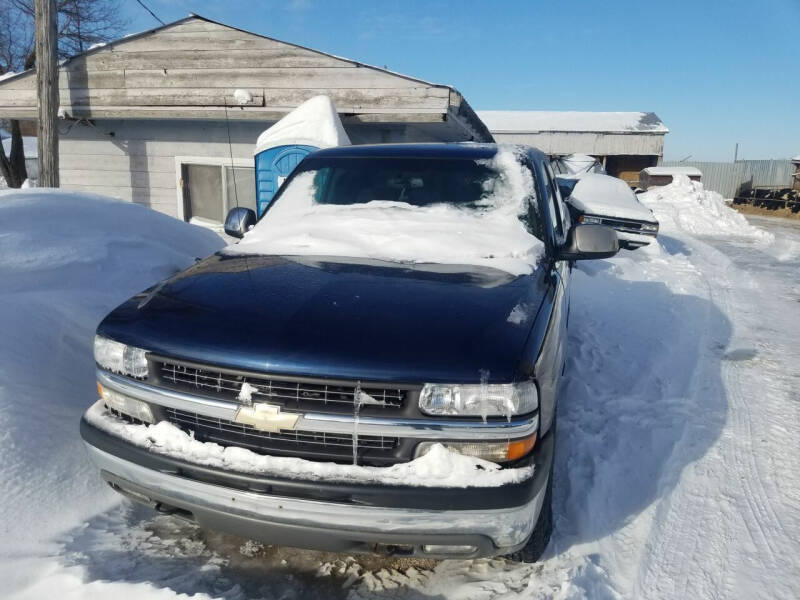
(491, 235)
(686, 205)
(438, 468)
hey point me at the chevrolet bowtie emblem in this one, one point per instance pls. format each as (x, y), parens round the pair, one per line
(266, 417)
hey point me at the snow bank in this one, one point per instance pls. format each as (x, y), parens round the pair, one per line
(438, 468)
(687, 206)
(314, 123)
(397, 231)
(67, 259)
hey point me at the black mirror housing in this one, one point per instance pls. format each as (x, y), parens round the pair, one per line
(586, 242)
(239, 221)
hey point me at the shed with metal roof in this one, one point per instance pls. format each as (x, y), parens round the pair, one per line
(625, 142)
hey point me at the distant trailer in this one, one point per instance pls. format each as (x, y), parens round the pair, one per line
(655, 176)
(771, 197)
(774, 197)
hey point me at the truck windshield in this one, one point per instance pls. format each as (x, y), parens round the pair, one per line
(431, 210)
(418, 182)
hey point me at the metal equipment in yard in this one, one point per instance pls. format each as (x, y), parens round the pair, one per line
(771, 197)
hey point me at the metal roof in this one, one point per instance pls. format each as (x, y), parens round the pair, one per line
(694, 171)
(534, 121)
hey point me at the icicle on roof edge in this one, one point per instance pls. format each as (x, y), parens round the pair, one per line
(314, 123)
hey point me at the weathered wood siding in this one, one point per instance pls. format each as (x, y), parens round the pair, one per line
(197, 64)
(135, 160)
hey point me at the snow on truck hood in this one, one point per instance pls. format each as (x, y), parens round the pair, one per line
(491, 236)
(597, 194)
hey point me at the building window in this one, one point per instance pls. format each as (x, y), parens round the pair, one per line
(210, 189)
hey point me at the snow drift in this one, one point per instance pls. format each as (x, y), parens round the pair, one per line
(67, 260)
(686, 205)
(491, 236)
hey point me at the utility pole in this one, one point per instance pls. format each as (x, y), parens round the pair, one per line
(47, 90)
(736, 152)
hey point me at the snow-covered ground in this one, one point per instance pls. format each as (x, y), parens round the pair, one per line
(677, 442)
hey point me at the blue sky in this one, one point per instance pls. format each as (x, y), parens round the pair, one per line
(716, 72)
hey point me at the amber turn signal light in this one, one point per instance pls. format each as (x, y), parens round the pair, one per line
(519, 448)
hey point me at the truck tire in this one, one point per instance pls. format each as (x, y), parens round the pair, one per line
(537, 543)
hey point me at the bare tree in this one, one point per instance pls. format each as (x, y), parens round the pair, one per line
(81, 23)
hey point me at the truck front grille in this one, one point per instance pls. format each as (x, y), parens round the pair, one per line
(301, 395)
(626, 225)
(303, 444)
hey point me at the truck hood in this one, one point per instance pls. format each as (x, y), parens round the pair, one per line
(603, 195)
(338, 318)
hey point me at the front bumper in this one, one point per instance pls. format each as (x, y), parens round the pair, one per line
(399, 520)
(631, 240)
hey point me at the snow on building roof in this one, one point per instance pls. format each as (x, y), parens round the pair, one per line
(314, 123)
(796, 158)
(532, 121)
(688, 171)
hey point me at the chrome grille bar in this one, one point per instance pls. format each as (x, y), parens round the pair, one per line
(211, 429)
(228, 385)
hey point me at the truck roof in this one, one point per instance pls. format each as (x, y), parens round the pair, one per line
(458, 150)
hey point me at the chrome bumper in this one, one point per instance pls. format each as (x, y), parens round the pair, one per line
(324, 525)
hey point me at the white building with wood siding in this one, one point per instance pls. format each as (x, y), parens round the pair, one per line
(149, 115)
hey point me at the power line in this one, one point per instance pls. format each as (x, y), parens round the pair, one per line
(144, 6)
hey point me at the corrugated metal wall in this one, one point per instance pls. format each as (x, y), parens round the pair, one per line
(728, 178)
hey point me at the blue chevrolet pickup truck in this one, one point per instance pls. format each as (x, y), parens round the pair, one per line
(356, 363)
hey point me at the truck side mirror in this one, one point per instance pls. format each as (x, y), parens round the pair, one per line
(585, 242)
(239, 221)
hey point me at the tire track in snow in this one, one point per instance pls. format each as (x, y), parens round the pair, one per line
(740, 497)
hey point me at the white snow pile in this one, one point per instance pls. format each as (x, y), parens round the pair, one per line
(314, 123)
(597, 194)
(66, 259)
(491, 236)
(685, 204)
(438, 468)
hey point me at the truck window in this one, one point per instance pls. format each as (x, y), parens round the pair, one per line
(552, 202)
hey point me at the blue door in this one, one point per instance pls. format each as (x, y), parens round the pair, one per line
(272, 167)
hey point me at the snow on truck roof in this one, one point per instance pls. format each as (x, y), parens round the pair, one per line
(688, 171)
(533, 121)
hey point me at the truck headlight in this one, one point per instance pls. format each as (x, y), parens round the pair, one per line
(479, 400)
(120, 358)
(590, 219)
(649, 226)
